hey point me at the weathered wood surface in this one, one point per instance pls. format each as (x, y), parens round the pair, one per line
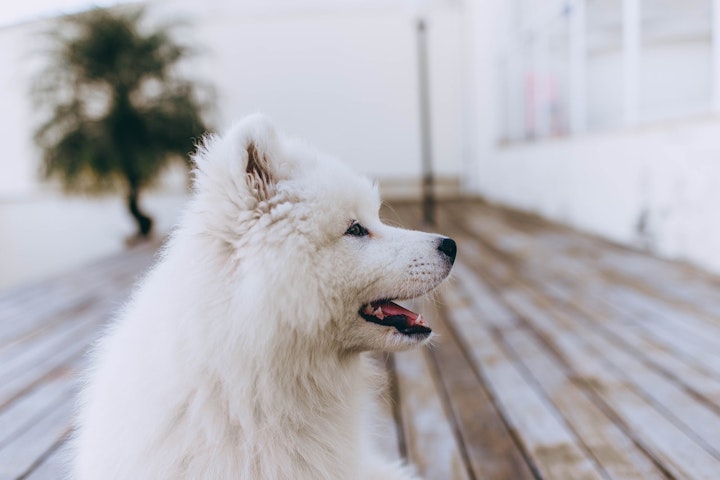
(558, 356)
(587, 360)
(45, 329)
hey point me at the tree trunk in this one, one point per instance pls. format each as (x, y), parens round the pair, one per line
(143, 221)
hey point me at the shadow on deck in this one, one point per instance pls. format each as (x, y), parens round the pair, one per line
(559, 356)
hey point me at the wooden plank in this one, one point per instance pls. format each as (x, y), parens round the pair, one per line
(700, 422)
(683, 284)
(28, 409)
(16, 327)
(553, 447)
(484, 302)
(492, 452)
(673, 285)
(686, 329)
(429, 438)
(523, 256)
(36, 358)
(624, 402)
(427, 423)
(41, 351)
(47, 364)
(53, 466)
(670, 354)
(542, 330)
(15, 360)
(670, 444)
(19, 318)
(20, 457)
(662, 351)
(613, 450)
(679, 405)
(694, 368)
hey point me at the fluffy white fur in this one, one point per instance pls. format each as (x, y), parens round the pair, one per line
(240, 356)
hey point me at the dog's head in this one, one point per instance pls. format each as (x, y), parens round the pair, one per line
(308, 251)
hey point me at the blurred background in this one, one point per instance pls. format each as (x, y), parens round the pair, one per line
(601, 114)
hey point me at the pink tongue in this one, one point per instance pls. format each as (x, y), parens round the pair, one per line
(390, 309)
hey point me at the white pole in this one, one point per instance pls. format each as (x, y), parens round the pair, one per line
(540, 62)
(715, 32)
(631, 59)
(506, 84)
(578, 67)
(518, 85)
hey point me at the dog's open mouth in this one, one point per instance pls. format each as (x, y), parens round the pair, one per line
(389, 314)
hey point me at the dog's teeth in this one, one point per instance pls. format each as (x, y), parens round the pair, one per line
(379, 313)
(419, 320)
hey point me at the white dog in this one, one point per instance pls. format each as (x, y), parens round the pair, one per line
(241, 355)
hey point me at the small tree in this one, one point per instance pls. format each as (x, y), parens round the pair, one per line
(120, 111)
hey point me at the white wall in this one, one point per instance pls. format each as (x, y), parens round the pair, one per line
(674, 79)
(342, 74)
(665, 176)
(344, 77)
(483, 28)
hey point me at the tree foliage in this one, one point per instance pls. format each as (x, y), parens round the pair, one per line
(120, 112)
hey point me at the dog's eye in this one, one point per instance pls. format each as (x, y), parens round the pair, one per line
(357, 230)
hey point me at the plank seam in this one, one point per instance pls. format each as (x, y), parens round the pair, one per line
(395, 405)
(596, 399)
(477, 370)
(449, 413)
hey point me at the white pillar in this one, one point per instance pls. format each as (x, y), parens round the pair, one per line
(631, 60)
(505, 84)
(715, 65)
(540, 60)
(516, 102)
(578, 67)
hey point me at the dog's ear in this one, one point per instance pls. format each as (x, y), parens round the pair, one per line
(246, 162)
(260, 152)
(260, 177)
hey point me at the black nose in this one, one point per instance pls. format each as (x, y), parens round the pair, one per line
(449, 248)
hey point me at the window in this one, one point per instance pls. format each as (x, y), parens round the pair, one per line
(568, 66)
(604, 60)
(675, 68)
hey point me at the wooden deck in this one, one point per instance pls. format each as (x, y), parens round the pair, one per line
(559, 356)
